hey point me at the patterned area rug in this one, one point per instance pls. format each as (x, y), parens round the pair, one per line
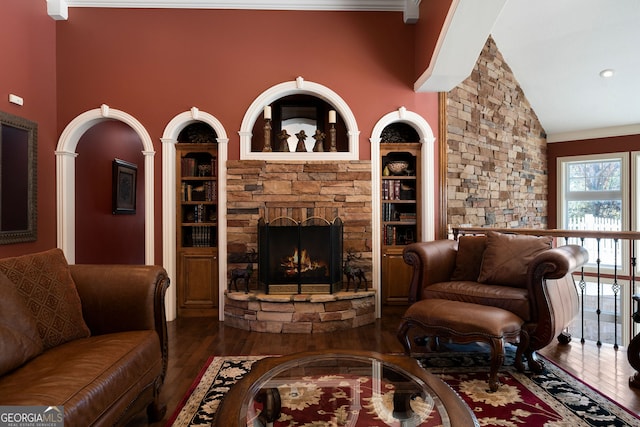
(553, 398)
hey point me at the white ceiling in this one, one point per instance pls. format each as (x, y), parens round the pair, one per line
(555, 48)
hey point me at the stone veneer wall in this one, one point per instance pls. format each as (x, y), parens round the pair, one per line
(299, 190)
(497, 158)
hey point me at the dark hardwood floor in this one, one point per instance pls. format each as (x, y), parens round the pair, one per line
(193, 340)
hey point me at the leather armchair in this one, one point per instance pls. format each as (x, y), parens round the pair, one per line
(542, 291)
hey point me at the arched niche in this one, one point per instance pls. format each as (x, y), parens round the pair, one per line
(298, 86)
(426, 137)
(169, 140)
(65, 177)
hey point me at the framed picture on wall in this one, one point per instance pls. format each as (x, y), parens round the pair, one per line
(124, 187)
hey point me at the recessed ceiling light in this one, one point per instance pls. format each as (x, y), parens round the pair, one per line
(607, 73)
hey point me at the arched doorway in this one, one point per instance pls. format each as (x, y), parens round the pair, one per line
(65, 177)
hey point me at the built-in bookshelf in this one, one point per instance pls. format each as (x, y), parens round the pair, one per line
(401, 210)
(197, 228)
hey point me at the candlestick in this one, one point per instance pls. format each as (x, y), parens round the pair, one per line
(267, 135)
(332, 137)
(267, 112)
(332, 116)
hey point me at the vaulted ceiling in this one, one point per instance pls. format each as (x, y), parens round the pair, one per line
(557, 50)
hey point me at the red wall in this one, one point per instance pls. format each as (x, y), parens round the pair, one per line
(433, 13)
(28, 69)
(580, 148)
(154, 64)
(101, 236)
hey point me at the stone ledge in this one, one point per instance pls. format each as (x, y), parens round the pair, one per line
(299, 313)
(260, 296)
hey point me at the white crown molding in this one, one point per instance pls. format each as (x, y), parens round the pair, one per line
(411, 11)
(606, 132)
(367, 5)
(58, 9)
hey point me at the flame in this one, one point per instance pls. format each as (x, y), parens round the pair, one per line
(290, 263)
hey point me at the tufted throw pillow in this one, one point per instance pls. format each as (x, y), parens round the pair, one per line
(19, 338)
(44, 281)
(507, 257)
(469, 258)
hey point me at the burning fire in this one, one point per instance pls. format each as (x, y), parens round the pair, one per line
(290, 263)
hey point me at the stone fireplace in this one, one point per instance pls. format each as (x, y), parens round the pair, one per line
(298, 190)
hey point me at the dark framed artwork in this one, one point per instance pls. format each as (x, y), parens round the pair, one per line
(124, 187)
(18, 179)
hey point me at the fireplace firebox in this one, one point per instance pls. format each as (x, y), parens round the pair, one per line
(300, 257)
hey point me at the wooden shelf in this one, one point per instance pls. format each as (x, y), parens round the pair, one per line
(396, 274)
(199, 202)
(199, 178)
(196, 239)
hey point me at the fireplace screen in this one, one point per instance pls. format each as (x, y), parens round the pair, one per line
(300, 257)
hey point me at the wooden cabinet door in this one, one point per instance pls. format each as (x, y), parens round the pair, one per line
(396, 277)
(197, 288)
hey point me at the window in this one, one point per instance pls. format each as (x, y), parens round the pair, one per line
(594, 196)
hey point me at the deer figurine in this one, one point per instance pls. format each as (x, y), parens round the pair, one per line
(241, 273)
(354, 273)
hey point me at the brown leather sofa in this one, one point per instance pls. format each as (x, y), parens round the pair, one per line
(99, 347)
(521, 274)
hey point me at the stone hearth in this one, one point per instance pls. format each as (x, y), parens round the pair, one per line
(299, 313)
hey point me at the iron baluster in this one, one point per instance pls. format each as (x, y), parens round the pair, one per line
(583, 286)
(616, 289)
(632, 285)
(598, 311)
(633, 352)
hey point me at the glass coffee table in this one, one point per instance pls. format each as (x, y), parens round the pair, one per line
(341, 388)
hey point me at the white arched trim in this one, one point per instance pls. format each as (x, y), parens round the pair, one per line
(169, 140)
(427, 184)
(298, 86)
(65, 177)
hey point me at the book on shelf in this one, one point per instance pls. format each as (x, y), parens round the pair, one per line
(186, 192)
(210, 191)
(214, 166)
(391, 189)
(188, 166)
(407, 216)
(390, 235)
(388, 212)
(201, 236)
